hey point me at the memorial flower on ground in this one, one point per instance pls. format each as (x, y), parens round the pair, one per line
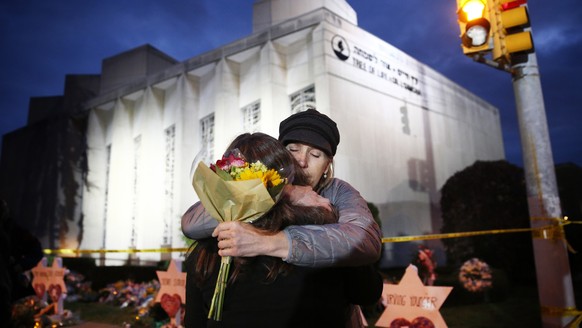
(426, 264)
(475, 275)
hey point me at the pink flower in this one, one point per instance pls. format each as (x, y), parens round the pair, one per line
(227, 162)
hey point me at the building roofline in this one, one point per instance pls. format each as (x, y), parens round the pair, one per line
(287, 27)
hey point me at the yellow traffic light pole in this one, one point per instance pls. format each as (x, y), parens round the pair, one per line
(511, 48)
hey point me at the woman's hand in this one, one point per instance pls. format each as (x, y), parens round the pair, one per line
(305, 196)
(242, 239)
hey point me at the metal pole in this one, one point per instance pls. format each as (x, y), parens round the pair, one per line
(554, 280)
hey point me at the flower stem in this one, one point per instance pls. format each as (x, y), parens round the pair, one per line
(218, 297)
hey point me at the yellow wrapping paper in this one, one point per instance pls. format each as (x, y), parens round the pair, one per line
(227, 201)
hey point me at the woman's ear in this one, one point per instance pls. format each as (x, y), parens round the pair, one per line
(326, 170)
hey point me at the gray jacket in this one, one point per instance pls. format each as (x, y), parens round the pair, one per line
(354, 240)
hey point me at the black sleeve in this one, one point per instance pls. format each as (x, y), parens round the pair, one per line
(363, 284)
(195, 315)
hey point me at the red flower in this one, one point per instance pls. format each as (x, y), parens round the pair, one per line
(227, 162)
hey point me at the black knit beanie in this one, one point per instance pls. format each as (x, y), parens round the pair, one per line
(312, 128)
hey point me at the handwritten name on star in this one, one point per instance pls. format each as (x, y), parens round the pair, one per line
(425, 302)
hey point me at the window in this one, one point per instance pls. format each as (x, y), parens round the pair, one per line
(252, 117)
(207, 128)
(170, 136)
(136, 161)
(106, 194)
(303, 100)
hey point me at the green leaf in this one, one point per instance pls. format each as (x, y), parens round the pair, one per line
(223, 174)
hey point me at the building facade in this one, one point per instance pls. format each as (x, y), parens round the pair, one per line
(405, 129)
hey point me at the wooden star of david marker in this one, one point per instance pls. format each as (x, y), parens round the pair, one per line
(172, 290)
(50, 280)
(410, 303)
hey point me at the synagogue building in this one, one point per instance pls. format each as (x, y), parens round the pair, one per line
(140, 124)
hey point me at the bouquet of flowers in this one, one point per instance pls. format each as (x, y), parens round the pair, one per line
(235, 190)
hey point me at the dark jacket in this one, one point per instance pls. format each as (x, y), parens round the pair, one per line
(304, 297)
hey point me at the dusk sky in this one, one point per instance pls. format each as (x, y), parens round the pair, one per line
(42, 41)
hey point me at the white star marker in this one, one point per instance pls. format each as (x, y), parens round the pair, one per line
(412, 304)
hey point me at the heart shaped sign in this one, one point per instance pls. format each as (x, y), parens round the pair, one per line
(399, 322)
(171, 304)
(55, 292)
(418, 322)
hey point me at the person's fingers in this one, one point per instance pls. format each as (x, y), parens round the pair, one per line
(223, 226)
(224, 252)
(224, 243)
(326, 205)
(321, 202)
(217, 230)
(228, 251)
(229, 236)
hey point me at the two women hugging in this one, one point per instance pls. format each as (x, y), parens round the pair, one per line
(267, 290)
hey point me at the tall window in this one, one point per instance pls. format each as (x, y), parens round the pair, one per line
(207, 128)
(170, 136)
(136, 161)
(303, 100)
(252, 117)
(106, 203)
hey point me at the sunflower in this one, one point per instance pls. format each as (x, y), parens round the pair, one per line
(258, 170)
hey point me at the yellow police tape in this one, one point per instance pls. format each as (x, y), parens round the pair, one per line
(553, 231)
(564, 312)
(71, 251)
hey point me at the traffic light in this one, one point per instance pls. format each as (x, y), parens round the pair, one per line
(509, 37)
(475, 25)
